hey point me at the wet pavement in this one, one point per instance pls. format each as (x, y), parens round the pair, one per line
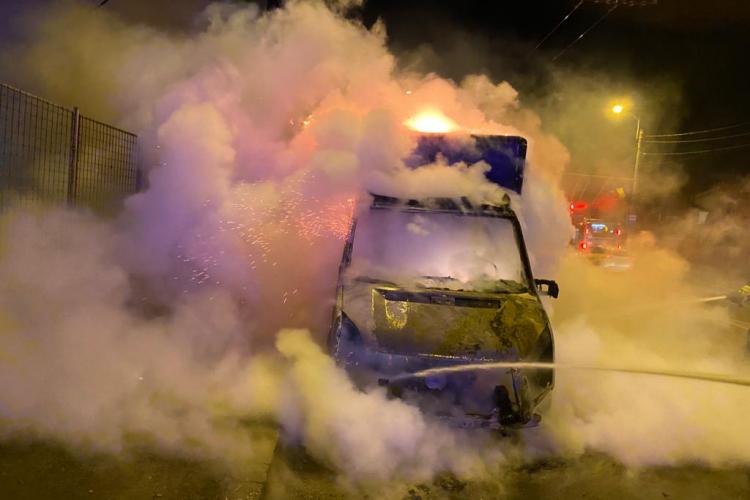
(45, 470)
(294, 474)
(39, 470)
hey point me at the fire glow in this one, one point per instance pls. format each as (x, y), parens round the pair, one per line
(432, 122)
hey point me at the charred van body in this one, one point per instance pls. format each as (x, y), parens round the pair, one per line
(435, 283)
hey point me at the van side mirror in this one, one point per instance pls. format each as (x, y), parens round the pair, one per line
(553, 290)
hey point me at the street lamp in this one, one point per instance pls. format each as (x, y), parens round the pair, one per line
(619, 109)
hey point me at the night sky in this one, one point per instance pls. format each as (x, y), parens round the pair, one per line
(695, 51)
(682, 62)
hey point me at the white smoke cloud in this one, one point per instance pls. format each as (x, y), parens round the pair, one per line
(79, 365)
(262, 129)
(650, 316)
(334, 420)
(85, 368)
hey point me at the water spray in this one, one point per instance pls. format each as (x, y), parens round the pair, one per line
(711, 299)
(706, 377)
(658, 305)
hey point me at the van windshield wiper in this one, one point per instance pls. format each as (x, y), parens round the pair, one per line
(442, 283)
(439, 278)
(510, 286)
(494, 285)
(434, 283)
(376, 281)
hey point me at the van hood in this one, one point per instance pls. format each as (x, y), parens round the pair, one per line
(444, 322)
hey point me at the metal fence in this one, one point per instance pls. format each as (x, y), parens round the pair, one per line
(52, 154)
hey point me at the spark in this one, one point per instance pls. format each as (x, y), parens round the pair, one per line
(259, 232)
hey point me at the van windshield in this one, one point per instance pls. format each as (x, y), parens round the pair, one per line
(442, 250)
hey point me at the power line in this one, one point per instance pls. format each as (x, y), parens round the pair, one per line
(597, 176)
(696, 132)
(630, 3)
(541, 42)
(680, 153)
(598, 21)
(705, 139)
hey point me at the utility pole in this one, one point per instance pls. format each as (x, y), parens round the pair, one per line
(638, 141)
(617, 109)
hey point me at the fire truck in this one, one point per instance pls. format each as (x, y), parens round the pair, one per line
(600, 236)
(603, 243)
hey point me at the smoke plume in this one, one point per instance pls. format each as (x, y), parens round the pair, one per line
(187, 313)
(260, 131)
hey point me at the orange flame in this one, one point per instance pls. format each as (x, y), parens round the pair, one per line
(431, 121)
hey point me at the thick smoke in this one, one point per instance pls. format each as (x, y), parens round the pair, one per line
(80, 366)
(260, 131)
(650, 316)
(87, 369)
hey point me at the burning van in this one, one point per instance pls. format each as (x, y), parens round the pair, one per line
(445, 285)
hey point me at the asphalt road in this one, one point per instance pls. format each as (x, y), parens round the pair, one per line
(294, 474)
(39, 470)
(47, 470)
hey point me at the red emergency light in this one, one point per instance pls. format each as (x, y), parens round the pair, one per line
(577, 206)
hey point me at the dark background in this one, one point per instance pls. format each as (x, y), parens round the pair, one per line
(682, 63)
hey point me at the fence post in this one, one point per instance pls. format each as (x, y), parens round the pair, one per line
(138, 180)
(73, 160)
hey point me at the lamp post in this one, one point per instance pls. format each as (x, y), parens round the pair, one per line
(619, 109)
